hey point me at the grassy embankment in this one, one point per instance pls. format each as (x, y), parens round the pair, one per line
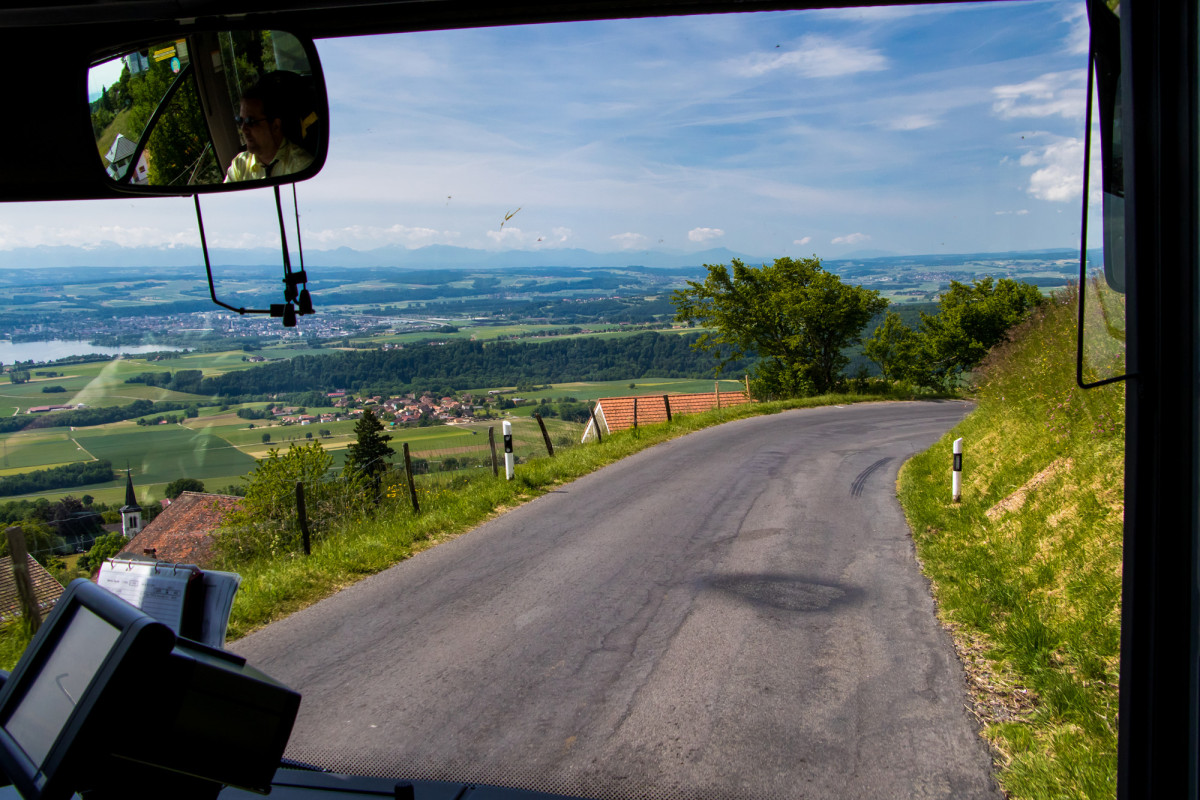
(1026, 569)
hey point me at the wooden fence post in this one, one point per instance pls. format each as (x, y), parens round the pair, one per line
(412, 485)
(717, 392)
(492, 444)
(635, 413)
(595, 424)
(545, 435)
(302, 515)
(667, 405)
(748, 397)
(20, 569)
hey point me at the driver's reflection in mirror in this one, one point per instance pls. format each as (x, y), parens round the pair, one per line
(265, 118)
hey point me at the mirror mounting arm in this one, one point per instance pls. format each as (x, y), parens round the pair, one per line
(293, 296)
(296, 301)
(212, 291)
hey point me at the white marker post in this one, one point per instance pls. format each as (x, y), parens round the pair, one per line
(956, 479)
(508, 453)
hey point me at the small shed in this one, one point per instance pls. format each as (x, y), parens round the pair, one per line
(621, 413)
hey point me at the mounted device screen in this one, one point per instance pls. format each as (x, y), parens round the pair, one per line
(40, 716)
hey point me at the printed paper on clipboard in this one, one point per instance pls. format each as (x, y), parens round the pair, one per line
(160, 591)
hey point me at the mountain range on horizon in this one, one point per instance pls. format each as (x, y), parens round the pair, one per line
(430, 257)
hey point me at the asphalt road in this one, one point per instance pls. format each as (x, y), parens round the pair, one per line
(737, 613)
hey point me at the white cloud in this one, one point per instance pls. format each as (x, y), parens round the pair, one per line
(364, 236)
(805, 240)
(1059, 174)
(813, 57)
(628, 240)
(1018, 213)
(1053, 94)
(912, 122)
(1078, 39)
(89, 236)
(704, 234)
(853, 238)
(884, 13)
(514, 237)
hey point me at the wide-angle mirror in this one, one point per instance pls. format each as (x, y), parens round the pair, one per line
(209, 111)
(1106, 53)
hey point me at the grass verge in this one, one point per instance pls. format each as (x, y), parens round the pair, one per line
(1026, 570)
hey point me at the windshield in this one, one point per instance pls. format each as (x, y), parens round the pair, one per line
(499, 211)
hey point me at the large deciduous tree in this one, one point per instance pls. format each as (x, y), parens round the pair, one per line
(970, 321)
(797, 317)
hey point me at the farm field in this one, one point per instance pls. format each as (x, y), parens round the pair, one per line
(221, 454)
(167, 452)
(38, 449)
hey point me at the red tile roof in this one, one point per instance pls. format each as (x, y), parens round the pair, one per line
(183, 532)
(45, 588)
(617, 413)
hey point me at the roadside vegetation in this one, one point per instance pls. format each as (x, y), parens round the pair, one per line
(1026, 570)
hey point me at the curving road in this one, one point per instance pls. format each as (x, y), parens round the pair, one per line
(736, 613)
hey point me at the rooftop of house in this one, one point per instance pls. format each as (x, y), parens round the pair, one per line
(183, 532)
(46, 590)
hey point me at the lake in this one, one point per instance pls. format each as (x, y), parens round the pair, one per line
(54, 349)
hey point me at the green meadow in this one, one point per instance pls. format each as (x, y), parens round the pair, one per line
(38, 449)
(218, 447)
(168, 452)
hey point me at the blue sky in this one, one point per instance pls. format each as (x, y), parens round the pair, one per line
(947, 129)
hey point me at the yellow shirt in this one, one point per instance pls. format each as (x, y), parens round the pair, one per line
(289, 158)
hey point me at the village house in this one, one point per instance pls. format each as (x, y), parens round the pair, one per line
(184, 532)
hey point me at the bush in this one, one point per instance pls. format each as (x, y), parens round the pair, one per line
(103, 549)
(267, 522)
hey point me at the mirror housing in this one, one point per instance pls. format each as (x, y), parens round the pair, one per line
(208, 111)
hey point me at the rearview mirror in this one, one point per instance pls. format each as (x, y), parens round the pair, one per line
(209, 111)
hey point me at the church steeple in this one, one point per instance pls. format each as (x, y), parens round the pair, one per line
(131, 512)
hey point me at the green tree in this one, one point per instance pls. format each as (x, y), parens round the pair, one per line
(369, 455)
(181, 485)
(970, 321)
(893, 347)
(104, 548)
(41, 540)
(266, 437)
(793, 314)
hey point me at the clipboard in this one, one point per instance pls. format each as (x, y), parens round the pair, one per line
(194, 603)
(171, 593)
